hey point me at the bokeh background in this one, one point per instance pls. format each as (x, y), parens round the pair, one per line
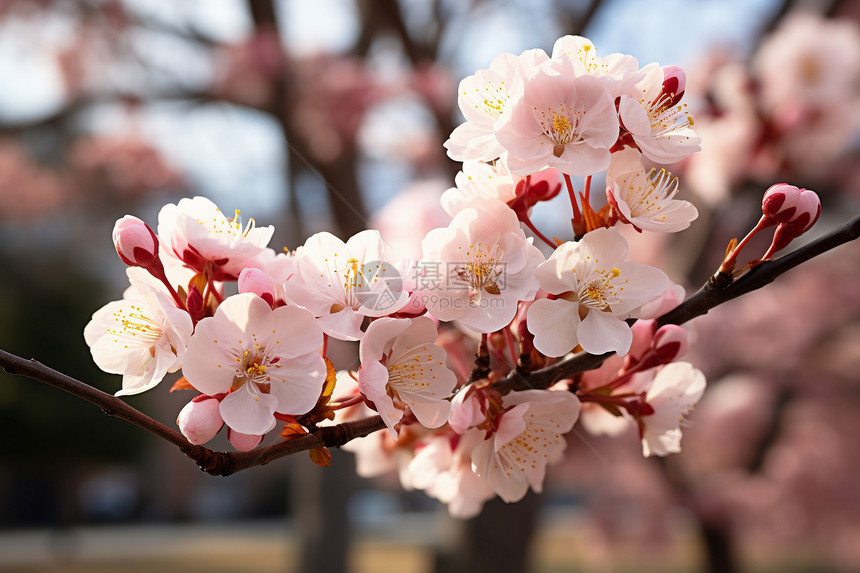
(330, 115)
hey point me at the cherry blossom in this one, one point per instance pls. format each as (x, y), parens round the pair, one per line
(659, 125)
(480, 179)
(478, 268)
(341, 283)
(674, 392)
(266, 359)
(402, 367)
(482, 98)
(529, 435)
(135, 242)
(577, 56)
(142, 336)
(562, 121)
(595, 290)
(197, 232)
(442, 468)
(646, 200)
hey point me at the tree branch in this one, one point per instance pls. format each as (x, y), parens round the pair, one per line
(227, 463)
(703, 300)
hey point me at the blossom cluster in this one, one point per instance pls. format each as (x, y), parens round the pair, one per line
(248, 326)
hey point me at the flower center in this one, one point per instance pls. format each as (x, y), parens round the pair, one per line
(480, 271)
(135, 326)
(665, 117)
(600, 293)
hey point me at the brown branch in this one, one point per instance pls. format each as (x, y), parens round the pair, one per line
(227, 463)
(210, 461)
(698, 304)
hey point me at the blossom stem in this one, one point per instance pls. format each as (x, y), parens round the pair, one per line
(512, 345)
(346, 403)
(577, 216)
(324, 345)
(157, 270)
(586, 193)
(528, 223)
(731, 258)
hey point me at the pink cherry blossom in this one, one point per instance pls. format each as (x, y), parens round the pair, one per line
(483, 97)
(205, 240)
(646, 200)
(342, 283)
(529, 436)
(442, 468)
(266, 359)
(562, 121)
(200, 420)
(478, 268)
(674, 392)
(142, 336)
(480, 179)
(660, 127)
(595, 290)
(577, 56)
(402, 367)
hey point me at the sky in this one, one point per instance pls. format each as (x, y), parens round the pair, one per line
(235, 155)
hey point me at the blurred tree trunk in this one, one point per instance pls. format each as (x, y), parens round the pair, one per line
(496, 541)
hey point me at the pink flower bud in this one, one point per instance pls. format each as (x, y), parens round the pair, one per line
(468, 408)
(807, 212)
(670, 342)
(780, 202)
(674, 83)
(243, 442)
(255, 281)
(200, 419)
(135, 242)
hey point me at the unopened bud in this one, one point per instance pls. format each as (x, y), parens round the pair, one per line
(468, 409)
(243, 442)
(805, 212)
(200, 419)
(194, 304)
(674, 83)
(780, 202)
(670, 342)
(255, 281)
(135, 242)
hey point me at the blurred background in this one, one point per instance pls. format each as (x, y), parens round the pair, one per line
(330, 115)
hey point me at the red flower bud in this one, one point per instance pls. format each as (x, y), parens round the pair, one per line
(674, 84)
(135, 242)
(780, 202)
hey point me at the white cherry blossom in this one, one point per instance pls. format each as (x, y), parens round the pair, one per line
(266, 359)
(342, 283)
(482, 98)
(659, 125)
(200, 235)
(577, 56)
(142, 336)
(529, 436)
(646, 200)
(595, 290)
(402, 367)
(676, 389)
(562, 121)
(478, 268)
